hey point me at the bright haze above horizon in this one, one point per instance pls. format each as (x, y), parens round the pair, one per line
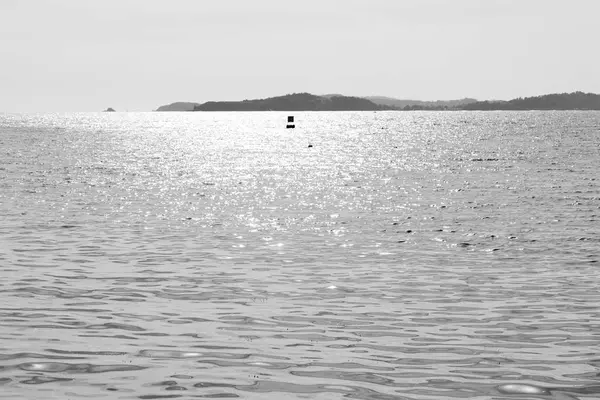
(136, 55)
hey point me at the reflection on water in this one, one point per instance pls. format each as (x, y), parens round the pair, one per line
(216, 255)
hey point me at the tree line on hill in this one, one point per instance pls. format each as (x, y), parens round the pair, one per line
(311, 102)
(557, 101)
(294, 102)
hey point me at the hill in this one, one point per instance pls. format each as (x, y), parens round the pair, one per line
(178, 106)
(294, 102)
(337, 102)
(557, 101)
(401, 104)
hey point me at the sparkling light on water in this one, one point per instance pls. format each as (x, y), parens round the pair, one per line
(405, 255)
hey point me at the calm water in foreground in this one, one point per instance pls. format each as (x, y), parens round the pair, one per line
(216, 255)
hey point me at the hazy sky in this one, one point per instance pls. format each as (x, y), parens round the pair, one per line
(84, 55)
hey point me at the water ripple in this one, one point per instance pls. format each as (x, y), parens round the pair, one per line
(215, 255)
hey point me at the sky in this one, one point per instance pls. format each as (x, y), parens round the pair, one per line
(136, 55)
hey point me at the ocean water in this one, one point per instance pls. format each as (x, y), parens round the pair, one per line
(404, 255)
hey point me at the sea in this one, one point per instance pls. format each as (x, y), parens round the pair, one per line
(362, 255)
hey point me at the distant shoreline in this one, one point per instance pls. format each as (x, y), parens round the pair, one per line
(309, 102)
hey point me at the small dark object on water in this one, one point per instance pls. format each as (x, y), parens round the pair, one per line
(310, 145)
(290, 121)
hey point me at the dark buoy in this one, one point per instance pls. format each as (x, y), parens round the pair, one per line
(290, 124)
(310, 145)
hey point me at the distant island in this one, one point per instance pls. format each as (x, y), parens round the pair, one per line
(562, 101)
(416, 104)
(557, 101)
(178, 106)
(295, 102)
(109, 109)
(337, 102)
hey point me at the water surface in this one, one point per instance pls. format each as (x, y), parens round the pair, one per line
(405, 255)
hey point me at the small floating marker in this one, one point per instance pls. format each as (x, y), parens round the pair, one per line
(310, 145)
(290, 124)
